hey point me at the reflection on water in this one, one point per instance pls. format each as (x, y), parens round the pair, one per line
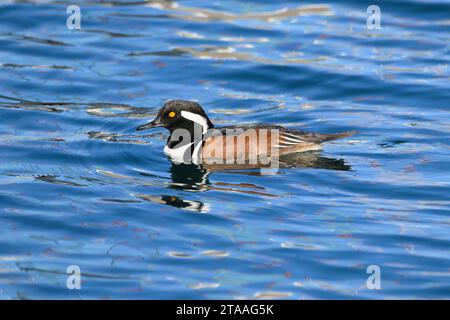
(189, 177)
(227, 53)
(97, 109)
(298, 160)
(200, 14)
(192, 177)
(78, 186)
(177, 202)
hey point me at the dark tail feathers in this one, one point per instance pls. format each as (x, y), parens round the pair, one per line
(335, 136)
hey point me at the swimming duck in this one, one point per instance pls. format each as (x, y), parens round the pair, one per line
(194, 139)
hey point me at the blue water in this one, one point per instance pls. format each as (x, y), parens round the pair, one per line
(79, 186)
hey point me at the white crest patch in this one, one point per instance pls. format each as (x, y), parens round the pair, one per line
(196, 118)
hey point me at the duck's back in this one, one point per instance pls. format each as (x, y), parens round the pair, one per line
(255, 140)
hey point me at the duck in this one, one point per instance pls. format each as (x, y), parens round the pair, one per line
(194, 139)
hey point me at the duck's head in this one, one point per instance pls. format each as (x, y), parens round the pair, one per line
(180, 114)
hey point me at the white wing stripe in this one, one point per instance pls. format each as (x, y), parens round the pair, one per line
(291, 135)
(280, 146)
(287, 142)
(297, 139)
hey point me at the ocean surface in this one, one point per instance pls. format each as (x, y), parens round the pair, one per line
(79, 186)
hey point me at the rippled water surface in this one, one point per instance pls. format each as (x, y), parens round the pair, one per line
(79, 186)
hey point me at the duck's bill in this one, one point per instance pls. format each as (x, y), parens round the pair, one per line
(155, 123)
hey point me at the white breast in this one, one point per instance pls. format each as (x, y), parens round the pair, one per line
(182, 154)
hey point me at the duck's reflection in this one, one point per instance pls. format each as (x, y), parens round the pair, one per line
(174, 201)
(313, 160)
(190, 177)
(187, 177)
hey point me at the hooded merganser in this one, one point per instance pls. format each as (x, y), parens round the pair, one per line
(193, 138)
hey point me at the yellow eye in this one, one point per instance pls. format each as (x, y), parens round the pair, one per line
(171, 114)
